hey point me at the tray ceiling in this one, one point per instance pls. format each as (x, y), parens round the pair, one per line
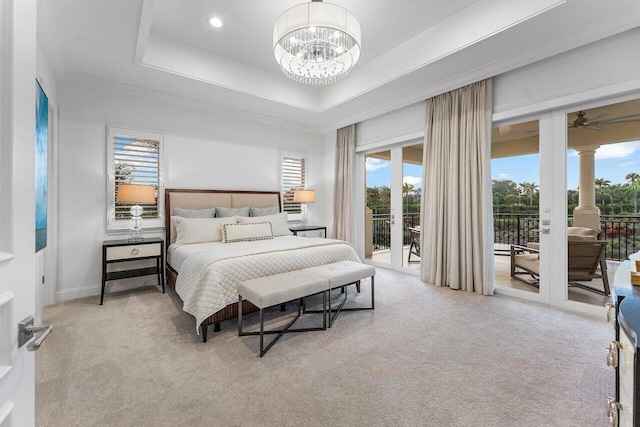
(412, 49)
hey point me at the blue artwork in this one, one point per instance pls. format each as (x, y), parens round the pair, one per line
(42, 136)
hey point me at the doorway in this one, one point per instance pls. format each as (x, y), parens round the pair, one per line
(391, 206)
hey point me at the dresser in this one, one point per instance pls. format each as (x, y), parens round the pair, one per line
(122, 252)
(622, 354)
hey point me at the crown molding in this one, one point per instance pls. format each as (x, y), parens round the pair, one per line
(77, 79)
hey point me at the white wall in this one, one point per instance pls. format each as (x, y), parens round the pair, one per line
(601, 69)
(203, 149)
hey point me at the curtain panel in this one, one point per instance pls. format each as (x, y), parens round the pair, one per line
(345, 165)
(456, 207)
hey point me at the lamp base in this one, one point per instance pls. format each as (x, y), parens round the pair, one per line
(135, 232)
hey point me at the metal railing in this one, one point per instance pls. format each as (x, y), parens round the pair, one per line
(382, 229)
(622, 232)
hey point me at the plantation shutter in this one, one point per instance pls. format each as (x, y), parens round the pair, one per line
(136, 161)
(293, 178)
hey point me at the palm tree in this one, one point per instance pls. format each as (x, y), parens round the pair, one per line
(634, 178)
(407, 191)
(528, 188)
(601, 185)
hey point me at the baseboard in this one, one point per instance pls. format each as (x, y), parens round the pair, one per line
(94, 290)
(75, 293)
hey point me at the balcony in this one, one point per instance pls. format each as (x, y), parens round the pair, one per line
(622, 233)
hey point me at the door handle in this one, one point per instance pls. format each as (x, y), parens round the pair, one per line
(26, 331)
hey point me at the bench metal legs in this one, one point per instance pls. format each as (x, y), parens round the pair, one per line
(286, 329)
(344, 300)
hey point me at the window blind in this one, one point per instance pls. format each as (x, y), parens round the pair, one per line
(293, 178)
(136, 161)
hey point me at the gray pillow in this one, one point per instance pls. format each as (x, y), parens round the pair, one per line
(264, 211)
(194, 213)
(225, 212)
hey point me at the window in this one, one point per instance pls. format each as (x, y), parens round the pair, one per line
(134, 157)
(293, 178)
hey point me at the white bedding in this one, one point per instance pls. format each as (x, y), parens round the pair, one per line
(210, 272)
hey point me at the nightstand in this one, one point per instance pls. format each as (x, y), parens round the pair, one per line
(119, 251)
(309, 231)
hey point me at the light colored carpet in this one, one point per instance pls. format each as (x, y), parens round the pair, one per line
(426, 356)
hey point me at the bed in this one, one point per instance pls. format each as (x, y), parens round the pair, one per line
(205, 275)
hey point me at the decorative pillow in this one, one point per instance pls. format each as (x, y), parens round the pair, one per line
(580, 238)
(278, 223)
(199, 230)
(194, 213)
(225, 212)
(583, 231)
(246, 232)
(264, 211)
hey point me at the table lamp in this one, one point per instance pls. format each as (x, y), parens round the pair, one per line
(303, 197)
(129, 193)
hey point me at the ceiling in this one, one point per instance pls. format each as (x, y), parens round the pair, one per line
(411, 49)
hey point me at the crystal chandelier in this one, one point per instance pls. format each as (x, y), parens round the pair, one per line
(316, 43)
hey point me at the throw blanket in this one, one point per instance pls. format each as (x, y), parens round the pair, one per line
(208, 280)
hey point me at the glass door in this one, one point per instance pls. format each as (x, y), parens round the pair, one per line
(516, 184)
(603, 181)
(377, 214)
(393, 182)
(411, 190)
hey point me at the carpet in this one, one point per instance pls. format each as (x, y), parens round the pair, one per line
(426, 356)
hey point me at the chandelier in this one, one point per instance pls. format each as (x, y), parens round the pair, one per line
(316, 43)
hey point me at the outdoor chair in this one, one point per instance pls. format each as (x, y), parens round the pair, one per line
(414, 249)
(585, 257)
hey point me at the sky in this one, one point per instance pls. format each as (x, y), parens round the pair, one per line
(613, 162)
(379, 173)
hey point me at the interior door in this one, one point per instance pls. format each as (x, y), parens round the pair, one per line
(17, 207)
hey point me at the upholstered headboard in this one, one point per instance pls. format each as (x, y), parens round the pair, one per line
(202, 199)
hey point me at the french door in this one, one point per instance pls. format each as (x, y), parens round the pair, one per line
(388, 205)
(528, 158)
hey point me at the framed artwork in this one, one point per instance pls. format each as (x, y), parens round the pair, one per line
(41, 158)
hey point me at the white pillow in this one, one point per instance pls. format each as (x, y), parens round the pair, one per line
(278, 223)
(246, 232)
(198, 230)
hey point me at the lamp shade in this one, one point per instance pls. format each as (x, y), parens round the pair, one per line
(304, 196)
(129, 193)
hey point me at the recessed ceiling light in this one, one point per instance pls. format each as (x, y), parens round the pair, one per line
(215, 22)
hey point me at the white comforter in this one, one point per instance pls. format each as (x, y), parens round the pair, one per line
(208, 279)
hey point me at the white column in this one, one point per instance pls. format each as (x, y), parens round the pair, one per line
(587, 214)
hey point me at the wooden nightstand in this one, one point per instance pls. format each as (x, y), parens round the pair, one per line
(309, 231)
(115, 251)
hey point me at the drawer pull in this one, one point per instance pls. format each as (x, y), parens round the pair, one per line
(612, 411)
(612, 353)
(609, 308)
(135, 251)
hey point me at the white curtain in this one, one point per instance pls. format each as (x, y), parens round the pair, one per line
(456, 207)
(345, 164)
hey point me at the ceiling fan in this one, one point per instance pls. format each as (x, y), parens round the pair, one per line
(582, 121)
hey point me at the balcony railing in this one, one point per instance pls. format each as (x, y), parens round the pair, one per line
(382, 229)
(622, 232)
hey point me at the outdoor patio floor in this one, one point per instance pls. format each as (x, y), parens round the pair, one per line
(503, 276)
